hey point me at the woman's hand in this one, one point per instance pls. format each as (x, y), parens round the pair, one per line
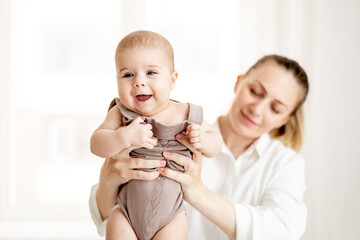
(118, 170)
(190, 179)
(213, 206)
(122, 168)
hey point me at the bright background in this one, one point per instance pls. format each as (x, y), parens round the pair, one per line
(57, 78)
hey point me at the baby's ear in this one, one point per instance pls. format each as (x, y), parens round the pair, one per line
(174, 77)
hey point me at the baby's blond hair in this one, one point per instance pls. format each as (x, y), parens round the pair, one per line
(147, 39)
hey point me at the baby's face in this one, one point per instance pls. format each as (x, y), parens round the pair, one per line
(144, 79)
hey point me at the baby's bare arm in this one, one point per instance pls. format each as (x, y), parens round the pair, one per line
(110, 137)
(205, 138)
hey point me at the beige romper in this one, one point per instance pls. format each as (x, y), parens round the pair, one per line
(150, 205)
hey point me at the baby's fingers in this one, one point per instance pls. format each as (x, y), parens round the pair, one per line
(145, 130)
(138, 120)
(192, 127)
(194, 133)
(194, 140)
(151, 143)
(197, 145)
(148, 146)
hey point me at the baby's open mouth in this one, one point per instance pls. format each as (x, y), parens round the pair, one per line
(143, 97)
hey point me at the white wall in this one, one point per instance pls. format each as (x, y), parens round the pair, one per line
(228, 36)
(332, 142)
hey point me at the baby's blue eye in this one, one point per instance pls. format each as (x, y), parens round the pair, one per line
(151, 73)
(127, 75)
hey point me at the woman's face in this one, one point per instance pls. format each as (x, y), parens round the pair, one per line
(264, 100)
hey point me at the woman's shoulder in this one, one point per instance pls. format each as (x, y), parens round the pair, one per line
(277, 152)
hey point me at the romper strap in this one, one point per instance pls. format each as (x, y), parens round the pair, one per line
(128, 115)
(112, 104)
(195, 114)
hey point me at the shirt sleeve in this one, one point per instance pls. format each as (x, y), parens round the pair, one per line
(281, 214)
(95, 213)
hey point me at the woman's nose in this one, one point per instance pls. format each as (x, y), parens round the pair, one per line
(257, 107)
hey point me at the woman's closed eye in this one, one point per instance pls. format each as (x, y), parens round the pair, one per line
(255, 92)
(278, 108)
(275, 110)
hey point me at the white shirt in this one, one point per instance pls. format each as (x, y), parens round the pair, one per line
(266, 185)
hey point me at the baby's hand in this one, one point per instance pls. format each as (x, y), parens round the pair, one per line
(140, 134)
(196, 135)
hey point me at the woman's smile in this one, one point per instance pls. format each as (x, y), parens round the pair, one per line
(247, 119)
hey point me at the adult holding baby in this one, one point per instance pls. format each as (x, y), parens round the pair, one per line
(254, 188)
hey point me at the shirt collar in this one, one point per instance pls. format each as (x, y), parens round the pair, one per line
(259, 145)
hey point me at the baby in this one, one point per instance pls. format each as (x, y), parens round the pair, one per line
(143, 116)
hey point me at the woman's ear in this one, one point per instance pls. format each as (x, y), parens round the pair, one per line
(174, 77)
(239, 77)
(285, 120)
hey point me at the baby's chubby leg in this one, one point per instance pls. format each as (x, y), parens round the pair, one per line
(177, 229)
(118, 227)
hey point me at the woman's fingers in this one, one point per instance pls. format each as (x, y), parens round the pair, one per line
(175, 175)
(122, 159)
(179, 159)
(190, 179)
(125, 167)
(143, 175)
(135, 163)
(131, 169)
(185, 141)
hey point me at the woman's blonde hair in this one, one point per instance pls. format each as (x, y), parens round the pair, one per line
(292, 133)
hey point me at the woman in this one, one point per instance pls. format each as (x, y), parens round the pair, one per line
(254, 188)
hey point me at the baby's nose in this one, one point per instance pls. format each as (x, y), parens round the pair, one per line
(139, 82)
